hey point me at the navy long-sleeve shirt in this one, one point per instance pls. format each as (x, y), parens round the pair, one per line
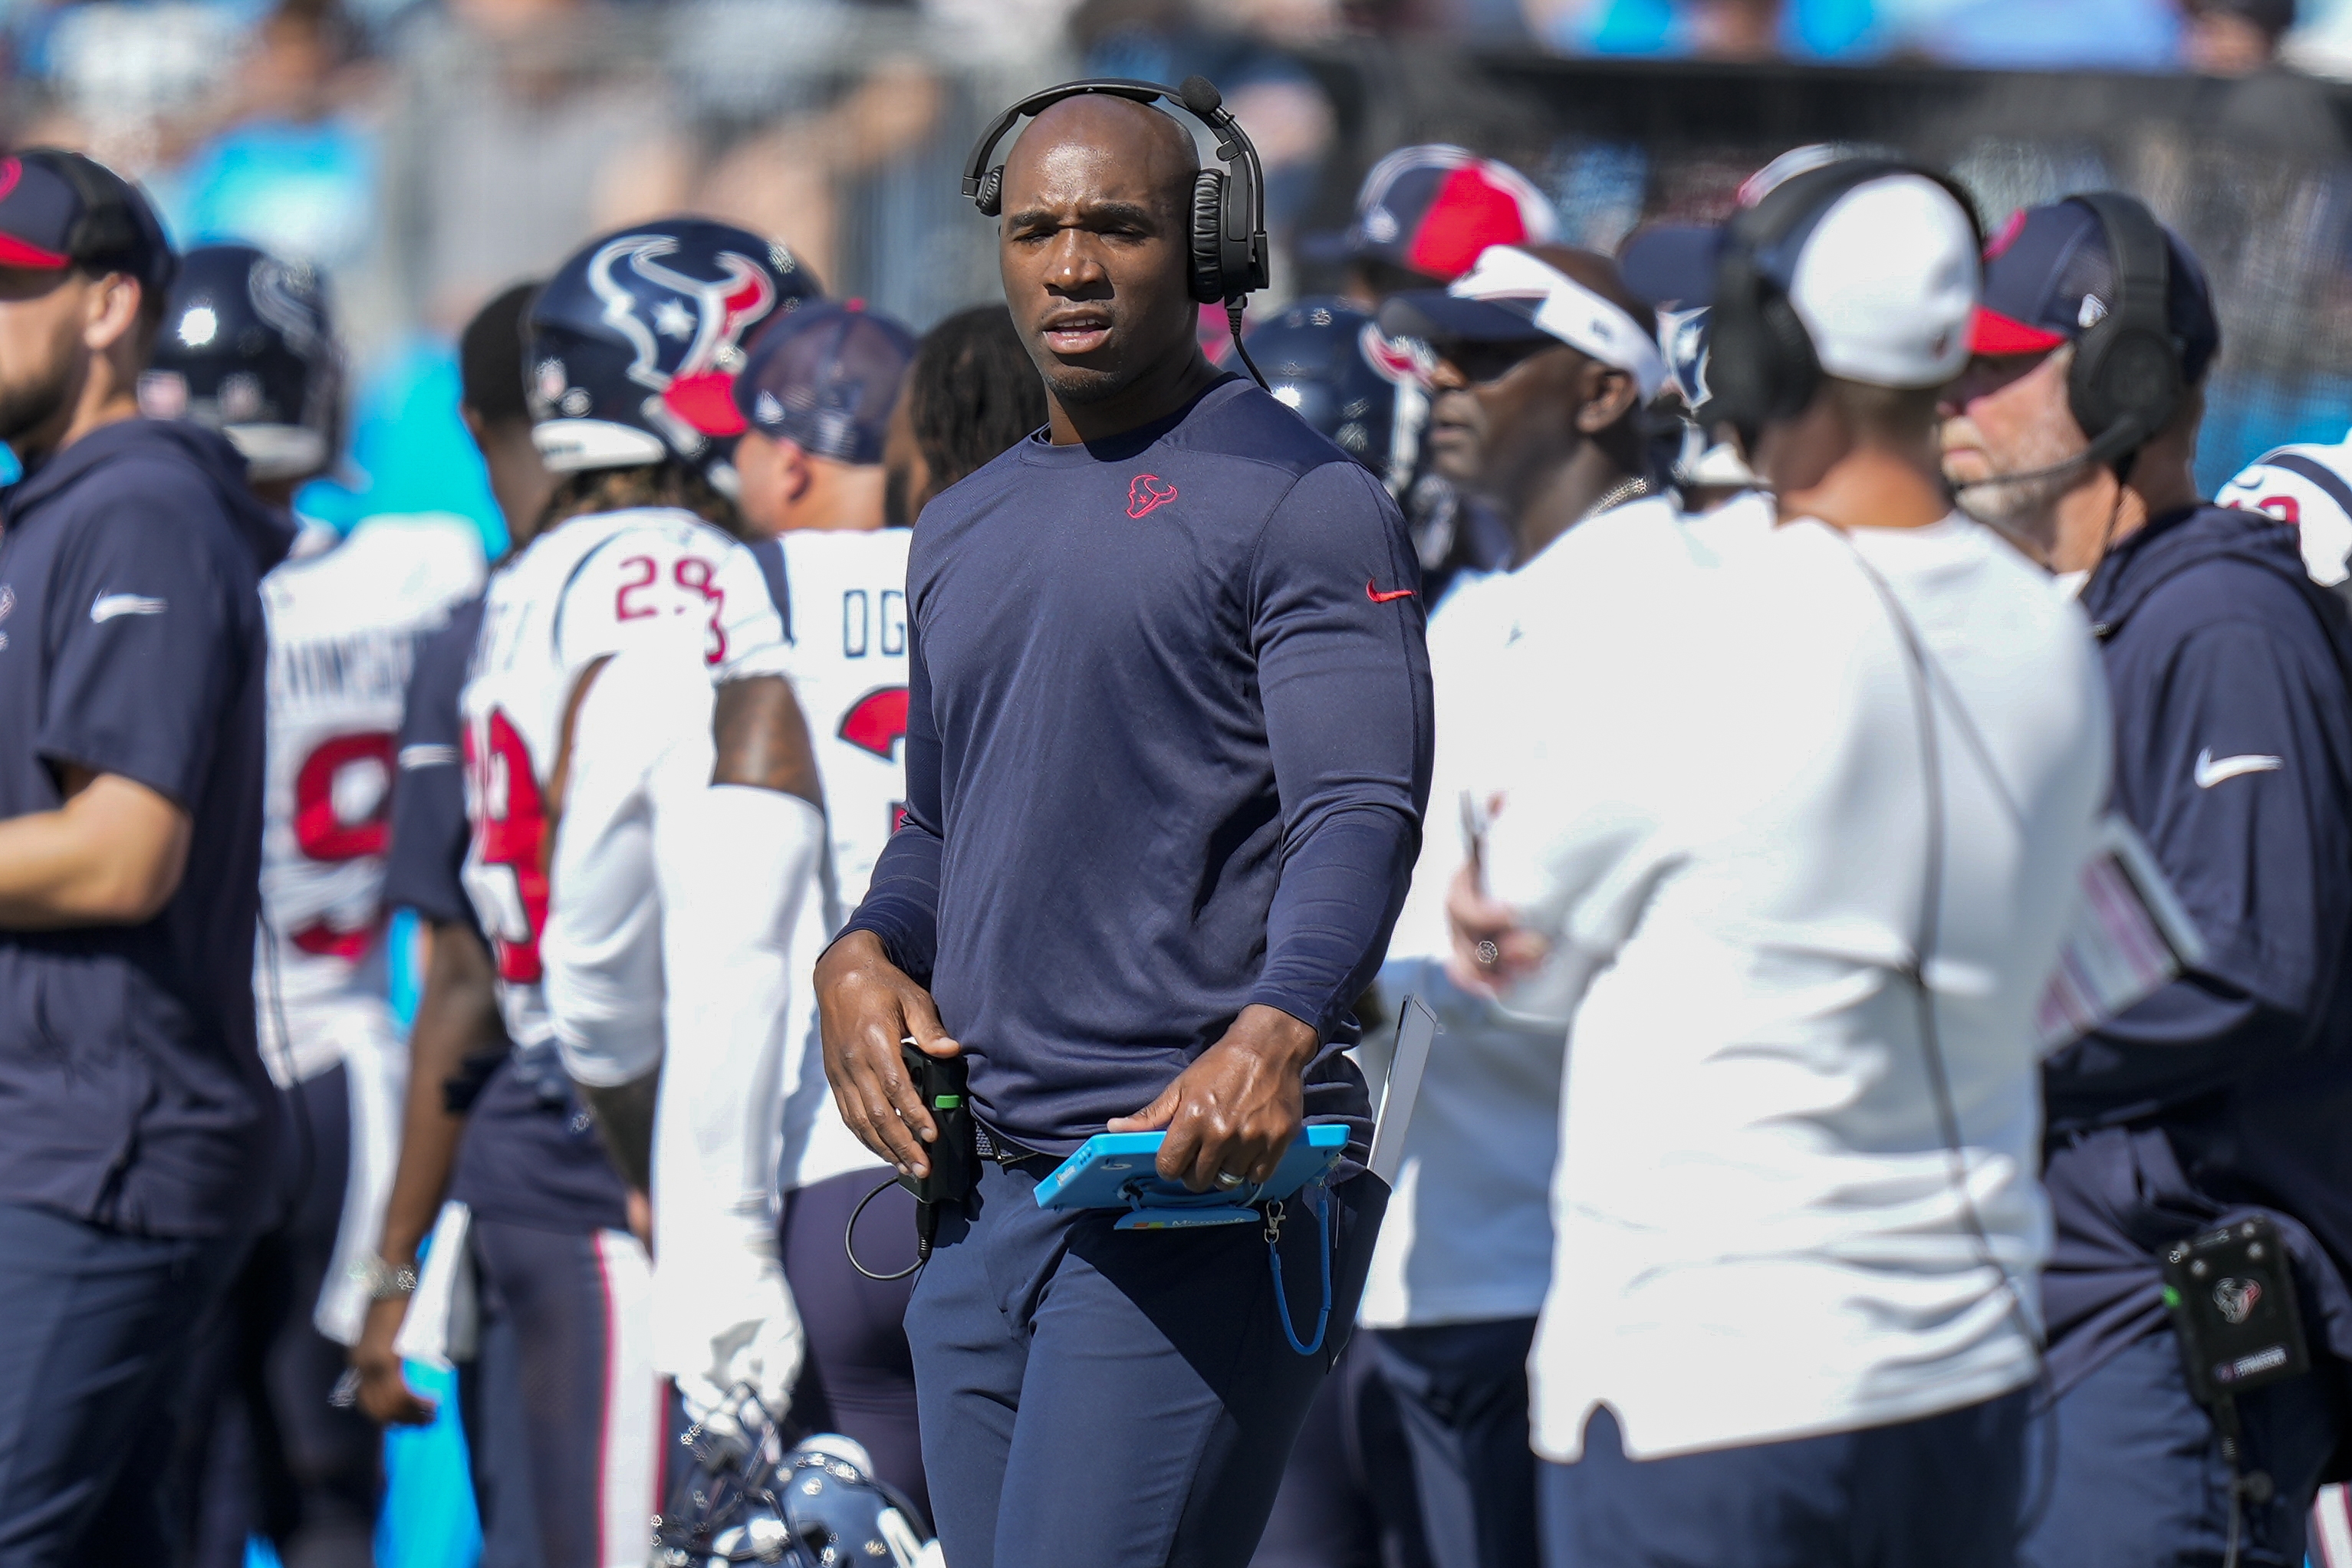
(1168, 743)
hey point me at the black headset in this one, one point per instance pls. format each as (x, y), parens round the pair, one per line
(1227, 240)
(2126, 379)
(1761, 363)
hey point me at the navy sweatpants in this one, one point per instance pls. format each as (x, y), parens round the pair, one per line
(2138, 1474)
(95, 1326)
(1938, 1492)
(1094, 1398)
(564, 1417)
(859, 1377)
(1347, 1497)
(1462, 1389)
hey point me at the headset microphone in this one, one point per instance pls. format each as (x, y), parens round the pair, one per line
(2120, 441)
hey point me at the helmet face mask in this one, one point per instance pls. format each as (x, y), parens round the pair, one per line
(247, 348)
(1327, 362)
(742, 1497)
(636, 342)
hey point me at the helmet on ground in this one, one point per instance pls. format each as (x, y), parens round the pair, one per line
(742, 1497)
(636, 342)
(247, 348)
(1327, 361)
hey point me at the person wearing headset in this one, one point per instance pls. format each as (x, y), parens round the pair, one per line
(2224, 1096)
(1800, 867)
(1168, 743)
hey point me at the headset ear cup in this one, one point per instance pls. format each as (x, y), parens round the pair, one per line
(2122, 375)
(990, 199)
(1792, 373)
(1208, 238)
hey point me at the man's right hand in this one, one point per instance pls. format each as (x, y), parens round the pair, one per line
(384, 1394)
(865, 1006)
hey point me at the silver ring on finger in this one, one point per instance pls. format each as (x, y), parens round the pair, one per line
(1227, 1181)
(1490, 955)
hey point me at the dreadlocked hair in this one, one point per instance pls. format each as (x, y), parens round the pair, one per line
(972, 392)
(669, 483)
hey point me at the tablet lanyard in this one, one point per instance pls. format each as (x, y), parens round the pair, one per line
(1273, 1213)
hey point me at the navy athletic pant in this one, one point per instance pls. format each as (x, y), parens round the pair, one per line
(95, 1329)
(271, 1456)
(1347, 1497)
(563, 1415)
(859, 1377)
(2138, 1478)
(1462, 1389)
(1095, 1398)
(1938, 1492)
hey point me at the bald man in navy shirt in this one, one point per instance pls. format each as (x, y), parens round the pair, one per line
(1167, 751)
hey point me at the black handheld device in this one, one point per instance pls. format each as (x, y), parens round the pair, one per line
(2231, 1297)
(953, 1155)
(940, 1080)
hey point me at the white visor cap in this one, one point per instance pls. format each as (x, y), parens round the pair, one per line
(1888, 284)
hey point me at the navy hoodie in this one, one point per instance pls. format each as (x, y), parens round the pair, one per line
(131, 643)
(2230, 1090)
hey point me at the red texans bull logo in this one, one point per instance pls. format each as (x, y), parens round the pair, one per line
(1147, 493)
(706, 318)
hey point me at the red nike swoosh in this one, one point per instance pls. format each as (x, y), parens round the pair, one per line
(1393, 594)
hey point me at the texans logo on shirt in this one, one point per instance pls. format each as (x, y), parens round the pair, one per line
(688, 354)
(1147, 493)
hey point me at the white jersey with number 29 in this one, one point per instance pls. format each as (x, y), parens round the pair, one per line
(589, 586)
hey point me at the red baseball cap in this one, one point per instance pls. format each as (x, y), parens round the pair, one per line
(1433, 209)
(59, 209)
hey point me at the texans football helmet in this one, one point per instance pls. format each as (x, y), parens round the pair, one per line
(247, 348)
(744, 1498)
(636, 342)
(1689, 452)
(1328, 364)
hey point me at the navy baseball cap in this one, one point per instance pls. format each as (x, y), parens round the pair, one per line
(1432, 209)
(825, 378)
(2048, 277)
(59, 209)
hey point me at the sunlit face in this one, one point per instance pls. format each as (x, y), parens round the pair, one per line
(2009, 414)
(1093, 246)
(43, 313)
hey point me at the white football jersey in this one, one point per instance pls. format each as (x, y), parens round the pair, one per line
(588, 587)
(848, 597)
(345, 619)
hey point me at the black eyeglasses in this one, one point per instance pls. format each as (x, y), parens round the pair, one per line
(1482, 362)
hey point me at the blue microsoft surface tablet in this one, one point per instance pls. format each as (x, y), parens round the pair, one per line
(1117, 1170)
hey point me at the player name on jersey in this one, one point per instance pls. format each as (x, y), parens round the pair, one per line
(848, 596)
(345, 620)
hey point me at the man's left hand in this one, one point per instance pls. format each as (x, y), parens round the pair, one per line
(1238, 1107)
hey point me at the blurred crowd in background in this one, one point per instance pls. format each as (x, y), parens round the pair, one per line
(429, 151)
